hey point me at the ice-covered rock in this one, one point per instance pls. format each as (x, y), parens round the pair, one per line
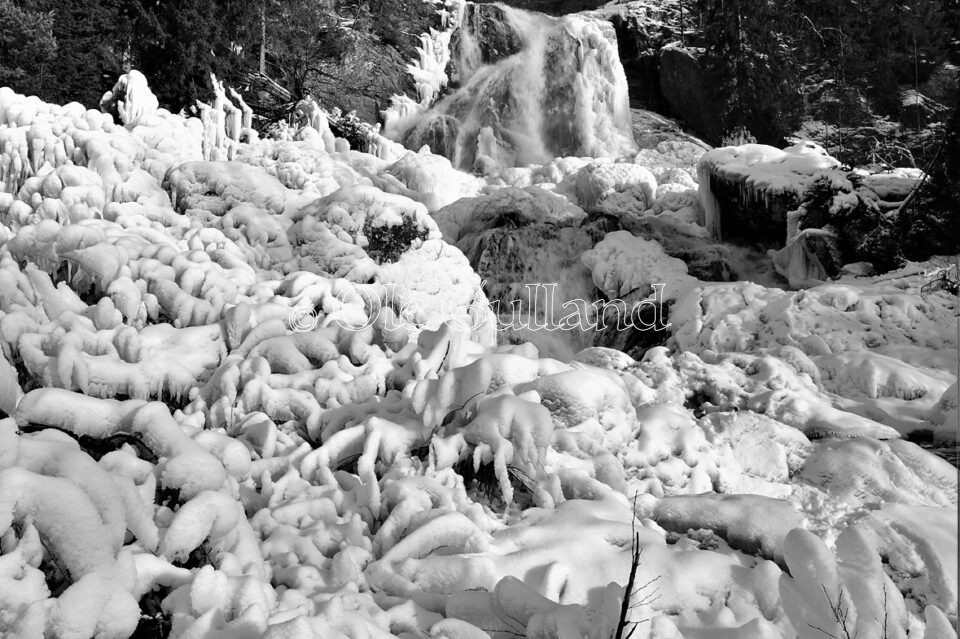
(748, 190)
(762, 194)
(945, 417)
(623, 264)
(809, 258)
(526, 243)
(615, 188)
(130, 98)
(277, 399)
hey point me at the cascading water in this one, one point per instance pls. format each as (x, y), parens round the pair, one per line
(470, 55)
(522, 88)
(562, 92)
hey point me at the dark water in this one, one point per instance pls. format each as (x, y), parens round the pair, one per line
(950, 453)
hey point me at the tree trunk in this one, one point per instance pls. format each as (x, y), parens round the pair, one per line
(263, 36)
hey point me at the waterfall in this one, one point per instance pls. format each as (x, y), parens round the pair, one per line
(562, 93)
(470, 56)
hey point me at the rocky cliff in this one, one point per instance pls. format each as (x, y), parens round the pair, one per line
(374, 64)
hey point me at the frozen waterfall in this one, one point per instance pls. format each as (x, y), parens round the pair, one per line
(556, 88)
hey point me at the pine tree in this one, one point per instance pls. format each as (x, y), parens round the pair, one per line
(177, 45)
(880, 44)
(27, 45)
(91, 36)
(751, 62)
(933, 226)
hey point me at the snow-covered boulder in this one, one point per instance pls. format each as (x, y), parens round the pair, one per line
(615, 188)
(945, 417)
(623, 265)
(747, 191)
(130, 99)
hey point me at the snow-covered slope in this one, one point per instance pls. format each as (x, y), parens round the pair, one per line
(263, 397)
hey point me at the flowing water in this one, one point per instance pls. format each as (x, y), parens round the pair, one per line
(564, 93)
(950, 453)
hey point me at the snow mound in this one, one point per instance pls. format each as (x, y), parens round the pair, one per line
(945, 417)
(757, 525)
(505, 207)
(614, 188)
(623, 264)
(253, 393)
(862, 472)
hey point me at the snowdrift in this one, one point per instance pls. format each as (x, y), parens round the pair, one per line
(251, 391)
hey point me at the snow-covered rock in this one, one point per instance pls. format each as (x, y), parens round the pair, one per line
(265, 397)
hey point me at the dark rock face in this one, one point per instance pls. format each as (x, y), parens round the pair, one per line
(552, 7)
(685, 90)
(751, 216)
(517, 254)
(649, 329)
(943, 84)
(374, 67)
(486, 36)
(399, 23)
(709, 263)
(439, 133)
(641, 33)
(918, 109)
(651, 129)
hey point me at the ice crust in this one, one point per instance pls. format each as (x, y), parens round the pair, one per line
(308, 435)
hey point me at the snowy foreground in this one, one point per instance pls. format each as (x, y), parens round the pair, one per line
(263, 398)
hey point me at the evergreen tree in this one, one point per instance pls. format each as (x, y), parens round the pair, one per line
(874, 46)
(933, 226)
(749, 57)
(27, 46)
(92, 39)
(178, 44)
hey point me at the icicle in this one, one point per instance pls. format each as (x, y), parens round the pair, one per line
(708, 201)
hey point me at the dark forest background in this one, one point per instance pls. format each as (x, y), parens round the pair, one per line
(765, 56)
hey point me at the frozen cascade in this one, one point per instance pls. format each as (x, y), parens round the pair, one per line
(469, 57)
(563, 94)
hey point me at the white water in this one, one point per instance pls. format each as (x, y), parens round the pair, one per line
(563, 94)
(469, 57)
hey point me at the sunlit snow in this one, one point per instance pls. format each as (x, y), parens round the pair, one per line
(256, 381)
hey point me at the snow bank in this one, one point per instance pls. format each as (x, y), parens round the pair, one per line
(757, 525)
(264, 397)
(623, 264)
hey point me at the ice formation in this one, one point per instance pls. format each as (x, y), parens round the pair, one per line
(563, 94)
(759, 190)
(252, 388)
